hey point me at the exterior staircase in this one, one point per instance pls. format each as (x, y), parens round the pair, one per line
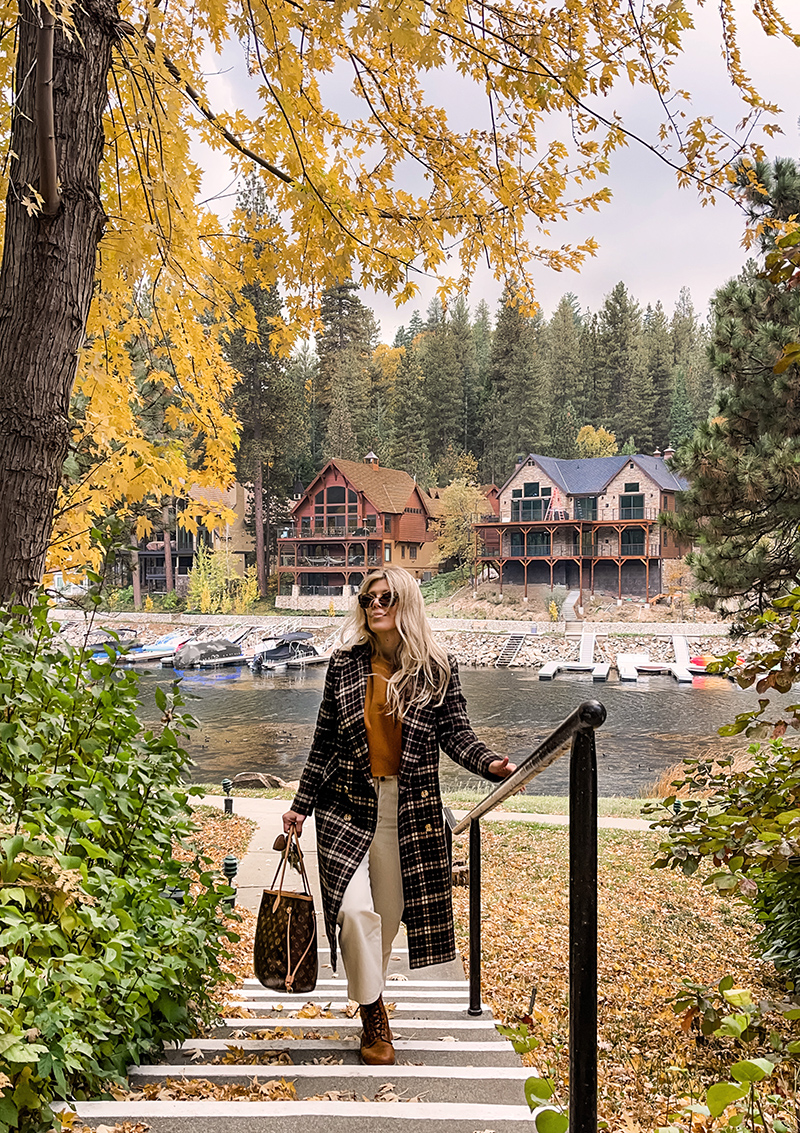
(511, 648)
(454, 1073)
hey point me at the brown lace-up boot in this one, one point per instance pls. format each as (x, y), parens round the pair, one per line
(376, 1038)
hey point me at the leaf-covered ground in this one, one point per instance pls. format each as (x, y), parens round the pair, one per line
(655, 927)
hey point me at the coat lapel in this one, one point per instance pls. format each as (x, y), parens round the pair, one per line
(357, 694)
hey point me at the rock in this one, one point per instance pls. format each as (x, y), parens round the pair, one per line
(257, 779)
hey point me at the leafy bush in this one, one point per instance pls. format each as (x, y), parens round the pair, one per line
(121, 599)
(214, 588)
(749, 827)
(109, 946)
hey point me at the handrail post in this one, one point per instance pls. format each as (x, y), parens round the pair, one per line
(475, 1007)
(583, 933)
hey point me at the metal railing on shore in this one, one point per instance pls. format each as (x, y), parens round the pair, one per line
(578, 730)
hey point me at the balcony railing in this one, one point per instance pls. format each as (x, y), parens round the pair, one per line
(326, 591)
(573, 550)
(329, 562)
(568, 515)
(350, 531)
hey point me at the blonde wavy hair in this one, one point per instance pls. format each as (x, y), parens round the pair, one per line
(422, 667)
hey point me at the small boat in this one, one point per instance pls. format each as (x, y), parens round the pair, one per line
(290, 647)
(202, 654)
(164, 647)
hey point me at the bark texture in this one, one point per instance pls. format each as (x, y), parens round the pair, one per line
(46, 281)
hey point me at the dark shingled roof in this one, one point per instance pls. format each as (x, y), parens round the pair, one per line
(589, 476)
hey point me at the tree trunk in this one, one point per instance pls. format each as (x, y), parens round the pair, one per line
(258, 519)
(46, 282)
(170, 579)
(135, 576)
(267, 506)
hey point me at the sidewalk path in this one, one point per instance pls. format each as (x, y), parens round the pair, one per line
(257, 867)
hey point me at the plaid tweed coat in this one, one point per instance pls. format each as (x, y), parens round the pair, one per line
(337, 785)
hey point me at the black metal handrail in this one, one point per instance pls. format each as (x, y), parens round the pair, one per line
(578, 729)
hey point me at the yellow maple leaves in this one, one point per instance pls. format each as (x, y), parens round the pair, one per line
(393, 138)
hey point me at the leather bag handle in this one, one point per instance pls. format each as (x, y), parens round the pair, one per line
(304, 876)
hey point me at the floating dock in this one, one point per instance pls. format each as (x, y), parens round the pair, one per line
(585, 663)
(630, 665)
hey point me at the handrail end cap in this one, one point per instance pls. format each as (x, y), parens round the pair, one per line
(592, 714)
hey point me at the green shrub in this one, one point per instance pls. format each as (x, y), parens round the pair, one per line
(121, 599)
(171, 601)
(99, 966)
(748, 826)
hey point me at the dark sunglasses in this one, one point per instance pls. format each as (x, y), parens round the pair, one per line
(384, 600)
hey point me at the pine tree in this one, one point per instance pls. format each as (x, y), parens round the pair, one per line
(563, 429)
(348, 327)
(340, 437)
(658, 351)
(596, 400)
(516, 411)
(440, 366)
(566, 373)
(690, 351)
(681, 417)
(467, 361)
(743, 503)
(627, 389)
(409, 448)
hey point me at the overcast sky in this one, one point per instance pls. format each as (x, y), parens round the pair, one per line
(654, 237)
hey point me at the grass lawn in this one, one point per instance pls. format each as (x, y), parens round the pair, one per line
(616, 807)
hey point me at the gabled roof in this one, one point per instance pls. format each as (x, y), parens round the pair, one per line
(387, 489)
(591, 475)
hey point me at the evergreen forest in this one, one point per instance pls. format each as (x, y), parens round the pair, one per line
(496, 384)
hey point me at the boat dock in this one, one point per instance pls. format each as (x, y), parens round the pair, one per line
(585, 663)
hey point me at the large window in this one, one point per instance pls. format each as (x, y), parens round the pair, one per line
(586, 507)
(632, 542)
(631, 507)
(335, 506)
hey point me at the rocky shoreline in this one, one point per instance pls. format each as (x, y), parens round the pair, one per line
(470, 646)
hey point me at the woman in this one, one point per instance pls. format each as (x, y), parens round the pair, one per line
(392, 698)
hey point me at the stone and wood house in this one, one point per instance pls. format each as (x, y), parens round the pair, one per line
(586, 524)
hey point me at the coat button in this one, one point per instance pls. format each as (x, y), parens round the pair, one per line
(348, 818)
(428, 828)
(423, 794)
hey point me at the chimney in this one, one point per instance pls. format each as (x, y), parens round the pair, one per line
(372, 459)
(657, 452)
(297, 490)
(669, 452)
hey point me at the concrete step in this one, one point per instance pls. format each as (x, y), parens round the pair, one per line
(482, 1029)
(395, 992)
(445, 1050)
(278, 1008)
(495, 1085)
(209, 1116)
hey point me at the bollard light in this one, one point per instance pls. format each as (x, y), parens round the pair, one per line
(230, 867)
(227, 786)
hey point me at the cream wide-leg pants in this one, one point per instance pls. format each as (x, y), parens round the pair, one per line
(372, 905)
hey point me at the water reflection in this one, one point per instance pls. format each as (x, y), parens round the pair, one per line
(265, 722)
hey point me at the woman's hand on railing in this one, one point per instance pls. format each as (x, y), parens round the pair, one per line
(292, 818)
(501, 768)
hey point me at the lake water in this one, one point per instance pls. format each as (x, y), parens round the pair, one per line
(265, 722)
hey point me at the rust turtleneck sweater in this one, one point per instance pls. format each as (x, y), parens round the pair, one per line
(384, 732)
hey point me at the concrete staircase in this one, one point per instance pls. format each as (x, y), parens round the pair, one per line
(462, 1075)
(454, 1073)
